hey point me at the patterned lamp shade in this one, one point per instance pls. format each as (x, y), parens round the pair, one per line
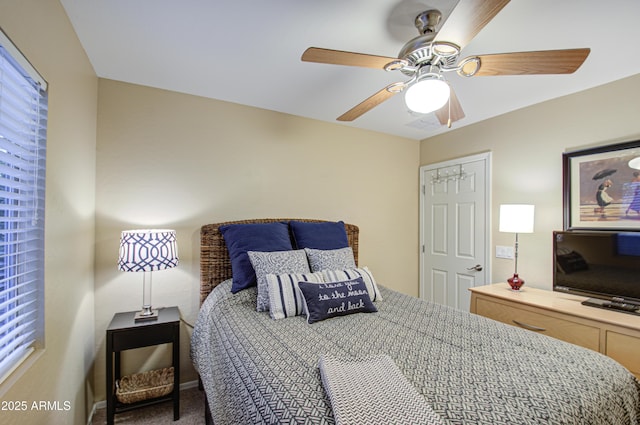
(147, 250)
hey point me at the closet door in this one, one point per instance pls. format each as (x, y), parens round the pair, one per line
(454, 229)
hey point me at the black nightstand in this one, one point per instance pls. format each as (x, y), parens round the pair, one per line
(124, 333)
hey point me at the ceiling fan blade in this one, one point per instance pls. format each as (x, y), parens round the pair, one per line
(531, 63)
(467, 19)
(367, 104)
(451, 111)
(339, 57)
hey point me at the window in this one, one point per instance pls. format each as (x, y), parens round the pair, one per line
(23, 124)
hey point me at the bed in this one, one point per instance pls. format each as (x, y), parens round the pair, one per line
(468, 369)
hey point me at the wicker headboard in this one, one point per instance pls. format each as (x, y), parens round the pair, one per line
(215, 265)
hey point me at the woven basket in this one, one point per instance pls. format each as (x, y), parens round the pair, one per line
(145, 385)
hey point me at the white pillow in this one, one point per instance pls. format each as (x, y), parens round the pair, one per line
(285, 298)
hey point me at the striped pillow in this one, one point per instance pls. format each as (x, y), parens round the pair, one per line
(285, 298)
(365, 273)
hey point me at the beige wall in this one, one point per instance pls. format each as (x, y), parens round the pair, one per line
(527, 147)
(59, 373)
(179, 161)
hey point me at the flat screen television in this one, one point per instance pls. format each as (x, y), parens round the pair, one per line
(602, 265)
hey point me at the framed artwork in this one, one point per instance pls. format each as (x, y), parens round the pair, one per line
(601, 188)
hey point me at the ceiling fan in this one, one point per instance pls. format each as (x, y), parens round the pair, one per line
(427, 57)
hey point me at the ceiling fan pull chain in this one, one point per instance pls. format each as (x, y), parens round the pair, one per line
(449, 120)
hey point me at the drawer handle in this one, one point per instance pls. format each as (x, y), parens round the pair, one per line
(530, 327)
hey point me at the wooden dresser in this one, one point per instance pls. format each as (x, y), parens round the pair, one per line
(562, 316)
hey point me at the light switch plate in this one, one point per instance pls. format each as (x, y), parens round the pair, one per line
(504, 252)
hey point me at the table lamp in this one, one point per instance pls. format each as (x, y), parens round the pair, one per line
(516, 218)
(147, 251)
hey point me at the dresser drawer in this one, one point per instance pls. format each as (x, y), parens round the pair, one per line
(625, 350)
(575, 333)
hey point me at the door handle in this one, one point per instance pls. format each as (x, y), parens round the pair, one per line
(477, 268)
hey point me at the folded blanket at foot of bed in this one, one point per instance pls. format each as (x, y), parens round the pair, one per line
(372, 390)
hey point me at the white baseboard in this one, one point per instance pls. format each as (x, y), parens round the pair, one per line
(188, 385)
(103, 403)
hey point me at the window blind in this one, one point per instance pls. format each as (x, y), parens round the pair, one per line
(23, 125)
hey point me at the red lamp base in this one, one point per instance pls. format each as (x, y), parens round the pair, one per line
(515, 282)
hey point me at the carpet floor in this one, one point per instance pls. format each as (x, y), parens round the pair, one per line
(191, 412)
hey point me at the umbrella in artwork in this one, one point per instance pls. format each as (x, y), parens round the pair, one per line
(604, 173)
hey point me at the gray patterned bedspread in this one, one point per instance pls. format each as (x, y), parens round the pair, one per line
(471, 370)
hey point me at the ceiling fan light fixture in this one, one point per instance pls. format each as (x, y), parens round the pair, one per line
(445, 49)
(436, 50)
(427, 95)
(396, 64)
(396, 87)
(469, 66)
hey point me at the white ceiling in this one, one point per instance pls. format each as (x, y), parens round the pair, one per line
(248, 52)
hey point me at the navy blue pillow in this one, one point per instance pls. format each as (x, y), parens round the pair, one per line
(325, 300)
(327, 235)
(240, 238)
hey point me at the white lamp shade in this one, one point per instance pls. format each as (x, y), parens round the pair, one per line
(427, 95)
(147, 250)
(516, 218)
(635, 163)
